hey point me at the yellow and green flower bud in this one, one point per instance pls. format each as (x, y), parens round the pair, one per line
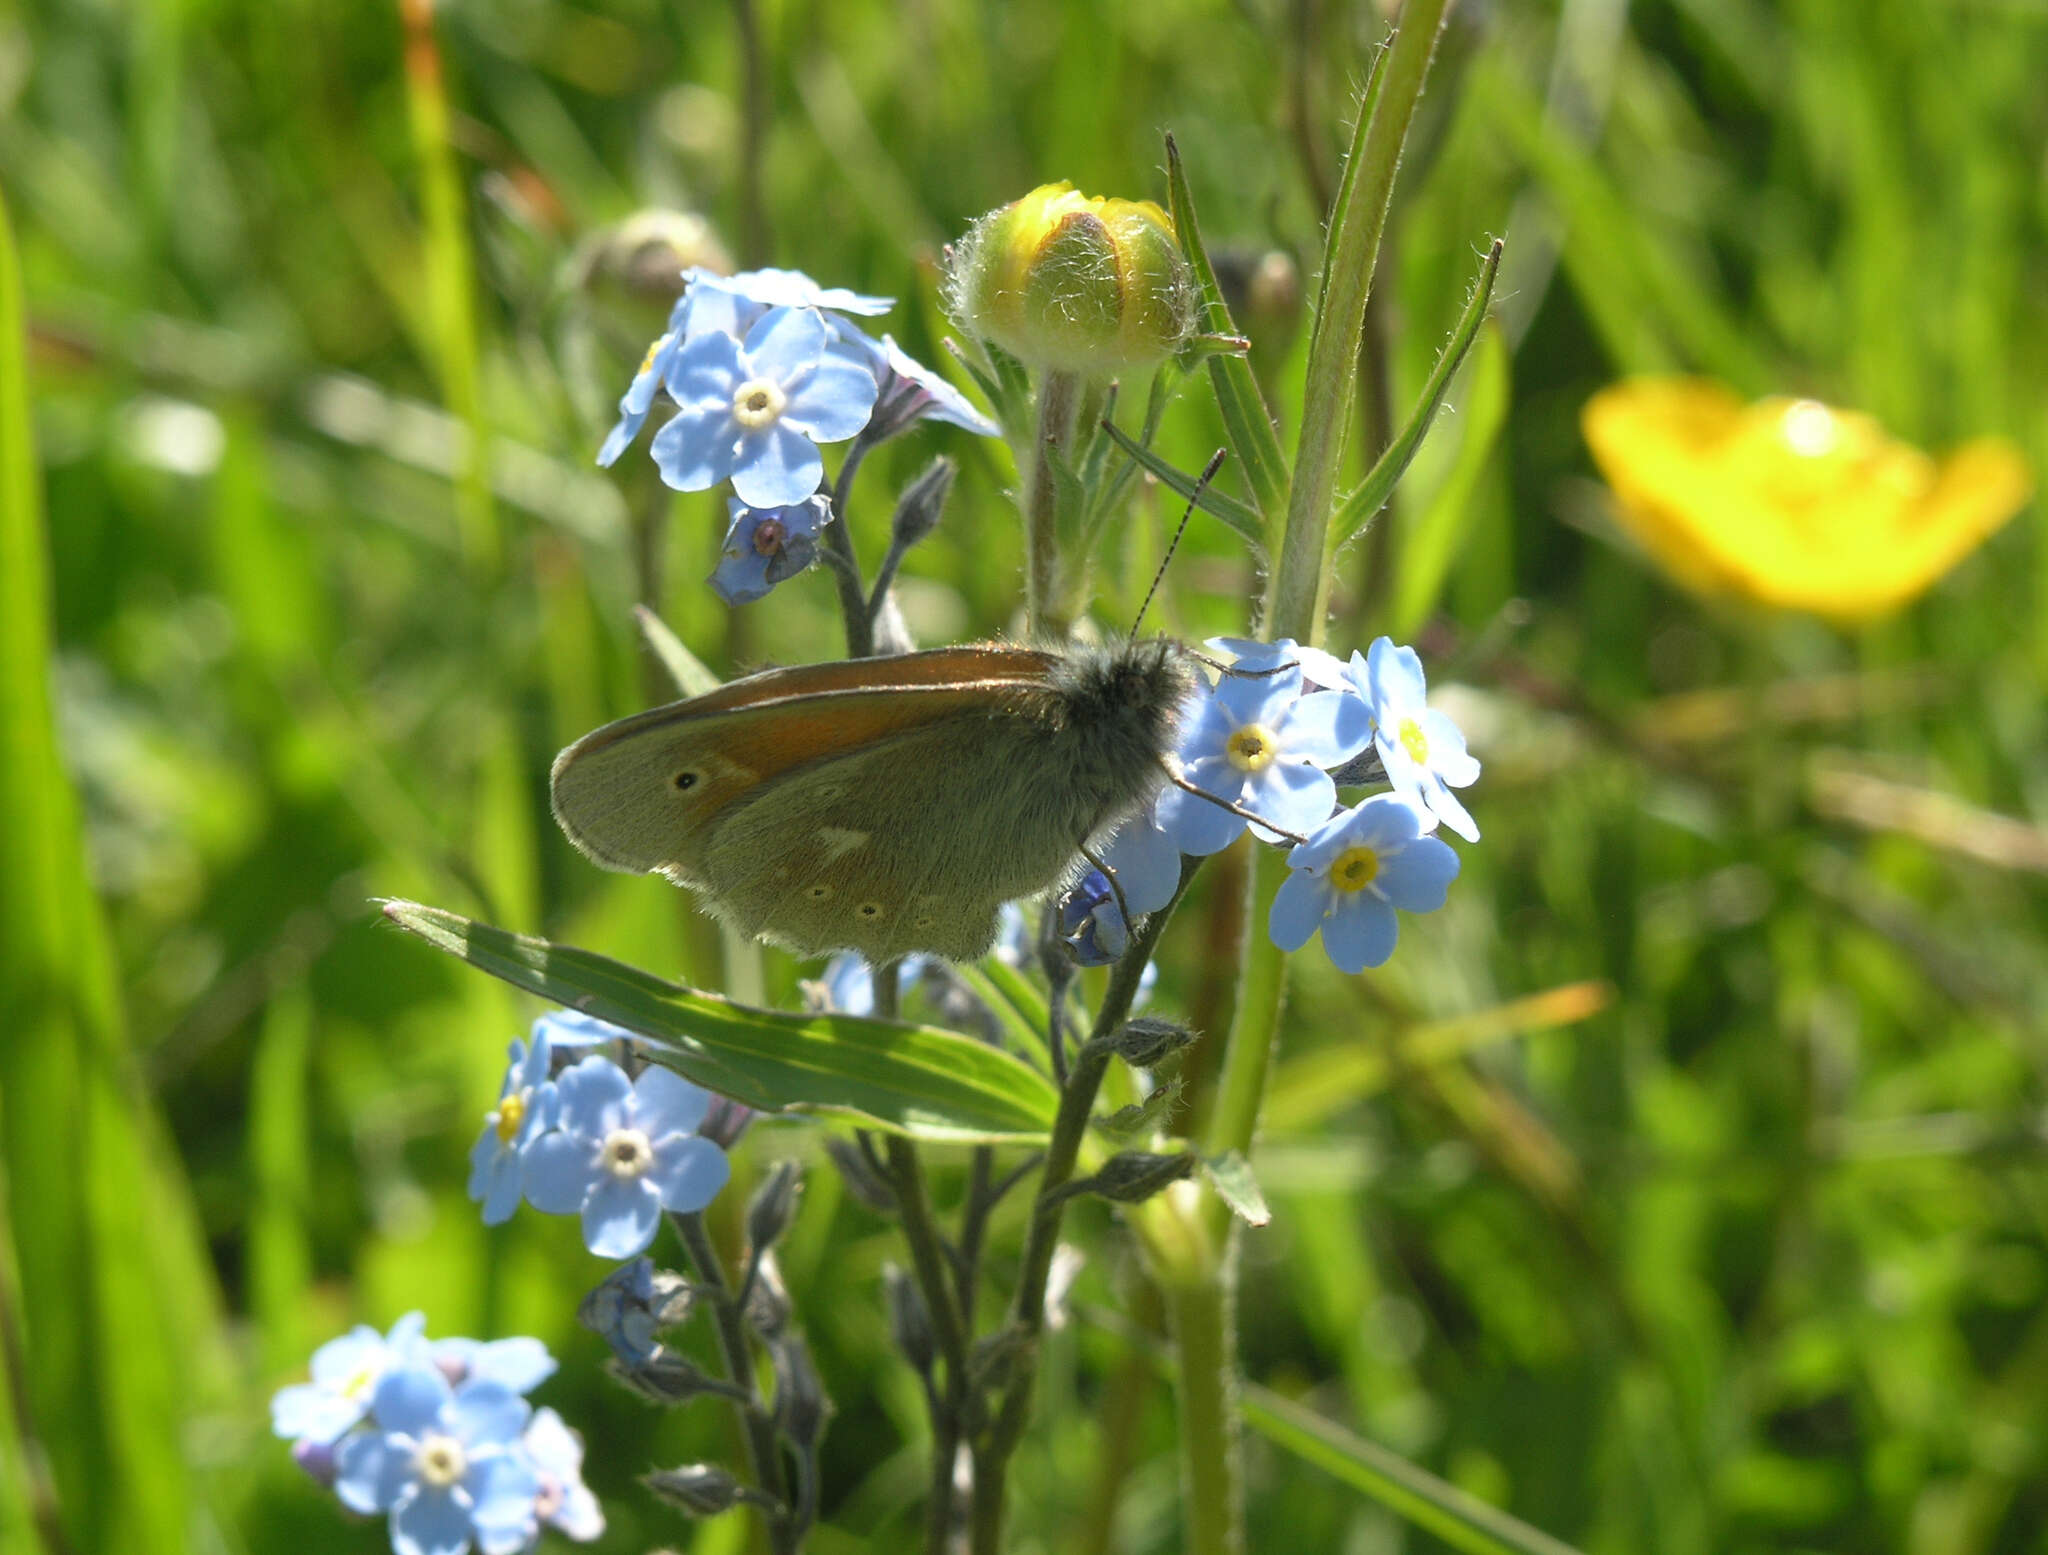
(1068, 283)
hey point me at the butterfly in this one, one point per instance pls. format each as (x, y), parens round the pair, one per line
(884, 805)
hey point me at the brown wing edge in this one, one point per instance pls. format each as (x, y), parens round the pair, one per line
(848, 703)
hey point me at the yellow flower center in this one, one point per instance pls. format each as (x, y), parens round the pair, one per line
(1354, 869)
(1252, 748)
(1415, 742)
(628, 1153)
(359, 1385)
(758, 403)
(648, 360)
(511, 1113)
(440, 1461)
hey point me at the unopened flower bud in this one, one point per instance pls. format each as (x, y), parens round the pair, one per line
(910, 1321)
(861, 1179)
(1074, 284)
(1263, 291)
(635, 267)
(1143, 1042)
(318, 1459)
(768, 1305)
(701, 1489)
(632, 1306)
(773, 1205)
(725, 1121)
(801, 1408)
(923, 500)
(1135, 1176)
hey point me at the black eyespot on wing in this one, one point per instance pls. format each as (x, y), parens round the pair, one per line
(685, 780)
(869, 909)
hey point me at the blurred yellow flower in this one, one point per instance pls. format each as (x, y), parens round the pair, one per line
(1791, 502)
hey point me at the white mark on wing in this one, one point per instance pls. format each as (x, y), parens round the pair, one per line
(838, 841)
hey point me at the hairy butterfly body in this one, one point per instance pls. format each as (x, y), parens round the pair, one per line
(885, 805)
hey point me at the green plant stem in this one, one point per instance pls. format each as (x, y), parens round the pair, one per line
(1027, 1319)
(844, 563)
(928, 1267)
(1059, 397)
(927, 1256)
(1299, 587)
(1199, 1288)
(764, 1455)
(1211, 1499)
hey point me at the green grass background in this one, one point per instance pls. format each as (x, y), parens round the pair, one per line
(1753, 1258)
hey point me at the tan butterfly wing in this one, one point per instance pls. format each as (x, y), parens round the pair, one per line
(883, 805)
(641, 794)
(909, 844)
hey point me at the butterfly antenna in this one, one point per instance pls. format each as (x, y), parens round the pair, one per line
(1194, 497)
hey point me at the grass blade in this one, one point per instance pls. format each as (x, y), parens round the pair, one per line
(103, 1392)
(1414, 1494)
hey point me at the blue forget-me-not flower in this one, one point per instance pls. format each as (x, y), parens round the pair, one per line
(562, 1501)
(1350, 875)
(444, 1463)
(1091, 921)
(525, 1110)
(346, 1372)
(763, 546)
(1258, 742)
(1423, 751)
(622, 1152)
(755, 411)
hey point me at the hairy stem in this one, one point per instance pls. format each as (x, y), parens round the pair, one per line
(1211, 1490)
(763, 1452)
(1059, 397)
(845, 562)
(1041, 1238)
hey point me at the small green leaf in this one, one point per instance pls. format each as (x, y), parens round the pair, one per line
(1230, 1174)
(1431, 541)
(1141, 1117)
(914, 1080)
(1018, 1007)
(1245, 417)
(1357, 510)
(1211, 501)
(693, 677)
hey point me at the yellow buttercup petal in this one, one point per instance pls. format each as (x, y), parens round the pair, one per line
(1789, 502)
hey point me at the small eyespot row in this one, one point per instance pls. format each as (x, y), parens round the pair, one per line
(818, 893)
(869, 909)
(685, 779)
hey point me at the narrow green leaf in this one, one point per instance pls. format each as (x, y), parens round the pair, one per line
(1211, 501)
(1462, 1521)
(1245, 417)
(1431, 541)
(914, 1080)
(1019, 1008)
(693, 677)
(1297, 588)
(105, 1353)
(1230, 1174)
(280, 1254)
(1358, 509)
